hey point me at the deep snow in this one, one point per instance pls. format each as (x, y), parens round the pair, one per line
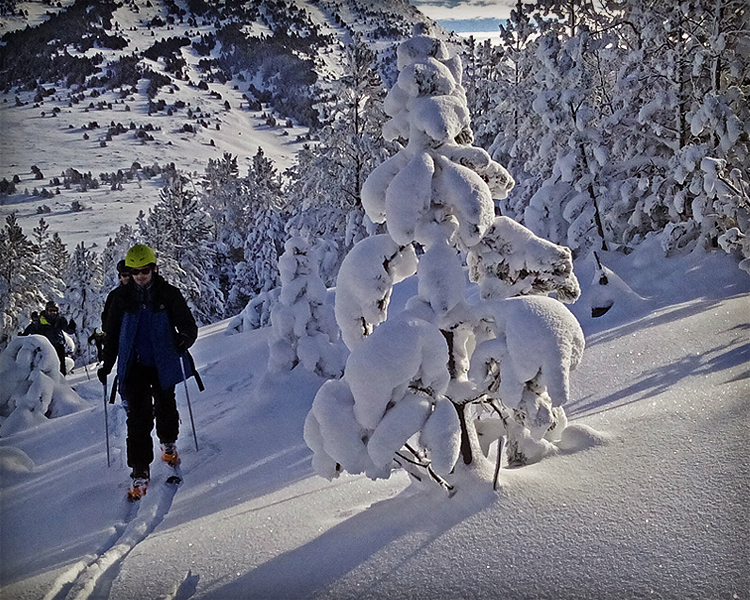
(649, 500)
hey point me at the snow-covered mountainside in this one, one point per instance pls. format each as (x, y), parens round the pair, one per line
(102, 92)
(648, 502)
(639, 491)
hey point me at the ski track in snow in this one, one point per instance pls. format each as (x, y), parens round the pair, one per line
(92, 577)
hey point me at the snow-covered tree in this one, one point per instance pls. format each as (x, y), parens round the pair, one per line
(487, 71)
(415, 383)
(680, 122)
(51, 256)
(114, 252)
(21, 279)
(84, 296)
(632, 122)
(32, 389)
(566, 207)
(327, 180)
(222, 196)
(304, 328)
(180, 230)
(257, 232)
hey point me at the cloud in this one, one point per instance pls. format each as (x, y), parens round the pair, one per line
(465, 10)
(471, 25)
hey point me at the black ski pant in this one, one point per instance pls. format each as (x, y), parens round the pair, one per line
(145, 400)
(60, 349)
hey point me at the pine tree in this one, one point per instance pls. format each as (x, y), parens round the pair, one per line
(222, 197)
(327, 181)
(635, 126)
(511, 121)
(51, 257)
(262, 237)
(304, 328)
(179, 229)
(226, 203)
(416, 383)
(114, 252)
(21, 279)
(569, 100)
(679, 143)
(83, 297)
(487, 72)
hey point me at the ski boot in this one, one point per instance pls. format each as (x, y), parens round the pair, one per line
(138, 486)
(169, 454)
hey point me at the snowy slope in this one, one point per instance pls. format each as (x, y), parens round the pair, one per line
(57, 143)
(650, 501)
(55, 135)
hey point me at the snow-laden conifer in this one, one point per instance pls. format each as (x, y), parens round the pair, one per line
(32, 389)
(180, 230)
(83, 297)
(632, 123)
(115, 251)
(50, 257)
(253, 232)
(326, 183)
(414, 384)
(21, 280)
(303, 325)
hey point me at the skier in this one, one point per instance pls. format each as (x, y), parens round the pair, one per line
(33, 323)
(123, 274)
(99, 337)
(52, 325)
(148, 327)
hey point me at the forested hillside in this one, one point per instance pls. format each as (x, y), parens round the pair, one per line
(619, 123)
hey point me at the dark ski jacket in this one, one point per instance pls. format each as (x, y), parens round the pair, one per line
(52, 328)
(153, 326)
(108, 305)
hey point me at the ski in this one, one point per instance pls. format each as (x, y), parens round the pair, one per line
(176, 477)
(172, 460)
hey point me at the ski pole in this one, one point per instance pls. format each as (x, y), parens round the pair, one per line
(88, 377)
(190, 408)
(106, 421)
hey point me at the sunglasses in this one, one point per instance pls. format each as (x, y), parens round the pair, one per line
(143, 271)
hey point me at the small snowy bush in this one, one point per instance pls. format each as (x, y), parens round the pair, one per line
(32, 389)
(303, 325)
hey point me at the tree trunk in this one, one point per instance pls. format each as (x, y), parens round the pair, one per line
(592, 195)
(466, 453)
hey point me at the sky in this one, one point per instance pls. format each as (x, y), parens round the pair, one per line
(480, 18)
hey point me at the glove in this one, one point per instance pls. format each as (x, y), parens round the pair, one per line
(181, 343)
(102, 375)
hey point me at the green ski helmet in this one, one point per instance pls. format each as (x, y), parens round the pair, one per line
(139, 256)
